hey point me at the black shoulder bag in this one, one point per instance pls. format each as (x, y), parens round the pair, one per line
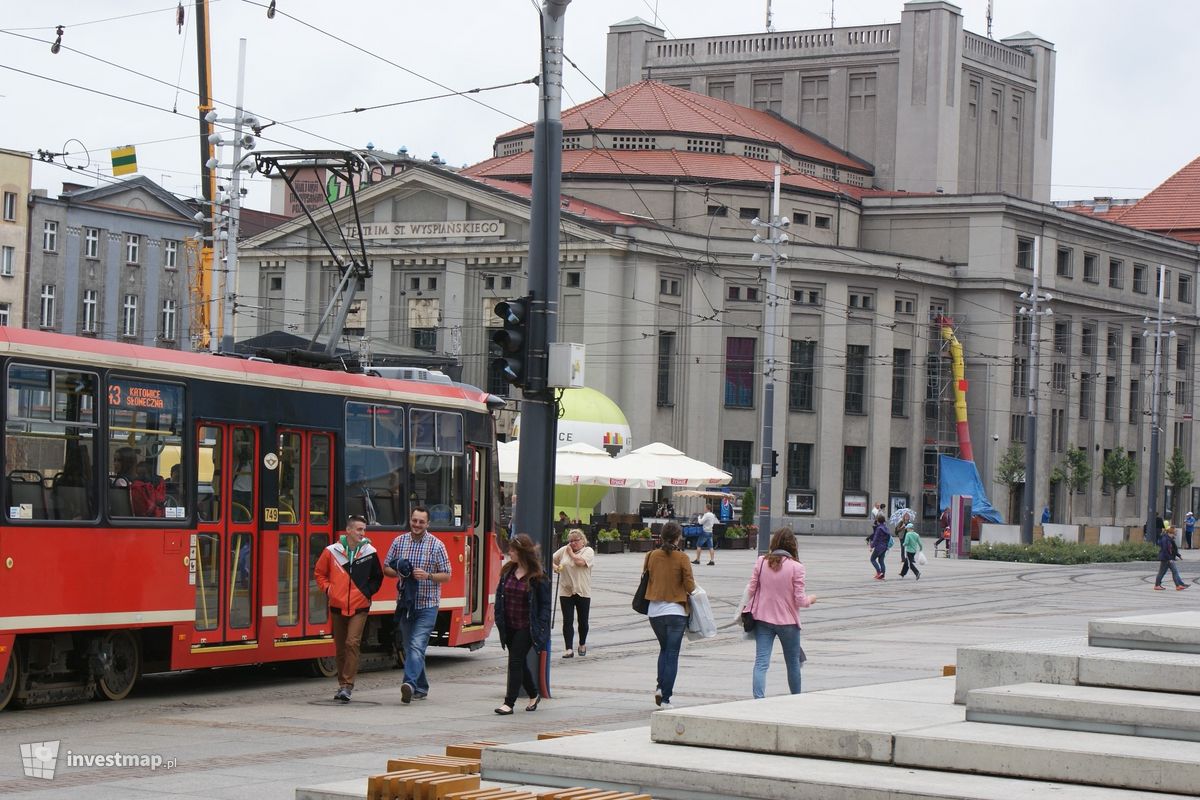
(748, 620)
(640, 604)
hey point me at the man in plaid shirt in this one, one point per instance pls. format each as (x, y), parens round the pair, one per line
(430, 567)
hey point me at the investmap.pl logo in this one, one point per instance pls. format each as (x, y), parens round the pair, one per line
(40, 760)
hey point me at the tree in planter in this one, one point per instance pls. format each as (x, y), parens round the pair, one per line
(749, 507)
(1178, 477)
(1119, 471)
(1010, 473)
(1075, 472)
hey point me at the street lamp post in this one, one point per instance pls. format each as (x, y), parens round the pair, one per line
(1034, 298)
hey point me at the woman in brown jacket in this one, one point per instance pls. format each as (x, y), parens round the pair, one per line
(667, 590)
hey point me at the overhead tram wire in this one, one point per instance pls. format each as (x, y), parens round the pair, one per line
(170, 9)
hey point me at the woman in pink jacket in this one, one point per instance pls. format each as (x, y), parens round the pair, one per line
(776, 594)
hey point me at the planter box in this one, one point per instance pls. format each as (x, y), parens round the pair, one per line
(1091, 534)
(1068, 533)
(740, 543)
(1111, 534)
(614, 546)
(641, 545)
(1000, 534)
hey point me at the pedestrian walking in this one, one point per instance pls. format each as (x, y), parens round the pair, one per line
(573, 563)
(707, 520)
(909, 549)
(419, 560)
(1168, 551)
(774, 597)
(522, 618)
(880, 539)
(943, 532)
(349, 574)
(667, 589)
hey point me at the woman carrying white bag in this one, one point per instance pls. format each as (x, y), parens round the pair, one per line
(773, 600)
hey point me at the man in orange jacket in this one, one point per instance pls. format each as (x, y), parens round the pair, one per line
(349, 573)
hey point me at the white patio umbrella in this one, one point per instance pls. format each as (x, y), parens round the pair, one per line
(579, 464)
(672, 467)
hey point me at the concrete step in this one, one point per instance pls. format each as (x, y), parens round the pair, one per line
(1125, 712)
(1098, 759)
(1177, 632)
(1150, 670)
(856, 726)
(1039, 661)
(628, 761)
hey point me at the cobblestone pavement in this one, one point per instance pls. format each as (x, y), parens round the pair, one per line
(262, 732)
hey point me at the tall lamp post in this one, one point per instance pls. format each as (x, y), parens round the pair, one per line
(775, 238)
(1150, 533)
(1034, 298)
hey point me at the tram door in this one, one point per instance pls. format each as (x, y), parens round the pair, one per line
(226, 553)
(305, 530)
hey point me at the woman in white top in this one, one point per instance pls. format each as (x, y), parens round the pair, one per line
(573, 563)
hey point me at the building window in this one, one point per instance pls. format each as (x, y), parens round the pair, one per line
(1087, 395)
(752, 294)
(1116, 278)
(1058, 424)
(861, 300)
(906, 306)
(822, 222)
(900, 360)
(1135, 402)
(748, 213)
(8, 256)
(669, 286)
(853, 461)
(733, 293)
(666, 363)
(799, 217)
(856, 378)
(489, 283)
(1022, 331)
(496, 382)
(91, 242)
(133, 246)
(129, 315)
(573, 279)
(1062, 337)
(739, 372)
(505, 283)
(5, 311)
(167, 321)
(799, 465)
(1024, 253)
(170, 254)
(736, 461)
(50, 236)
(814, 95)
(275, 283)
(1185, 289)
(1087, 341)
(1016, 427)
(1063, 266)
(10, 206)
(1058, 377)
(1139, 278)
(897, 459)
(768, 96)
(1135, 347)
(802, 376)
(1183, 355)
(430, 284)
(414, 284)
(973, 100)
(722, 90)
(91, 309)
(718, 211)
(1020, 377)
(425, 339)
(1112, 346)
(806, 297)
(862, 92)
(47, 305)
(1089, 268)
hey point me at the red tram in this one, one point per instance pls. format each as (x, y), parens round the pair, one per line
(164, 510)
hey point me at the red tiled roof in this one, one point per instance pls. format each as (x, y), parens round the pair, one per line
(651, 107)
(658, 165)
(1110, 214)
(1174, 205)
(571, 205)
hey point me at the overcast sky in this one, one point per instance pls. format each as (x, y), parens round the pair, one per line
(1125, 116)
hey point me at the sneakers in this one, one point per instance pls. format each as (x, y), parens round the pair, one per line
(878, 576)
(570, 654)
(665, 707)
(343, 694)
(1158, 587)
(420, 695)
(1180, 587)
(406, 692)
(711, 563)
(695, 561)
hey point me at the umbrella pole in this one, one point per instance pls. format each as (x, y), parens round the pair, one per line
(577, 500)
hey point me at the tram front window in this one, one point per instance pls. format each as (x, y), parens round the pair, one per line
(145, 420)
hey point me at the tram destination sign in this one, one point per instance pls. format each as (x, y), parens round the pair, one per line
(446, 229)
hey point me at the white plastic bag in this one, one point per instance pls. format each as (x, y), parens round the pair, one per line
(701, 623)
(921, 560)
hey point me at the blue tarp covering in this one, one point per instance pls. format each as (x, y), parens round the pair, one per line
(961, 477)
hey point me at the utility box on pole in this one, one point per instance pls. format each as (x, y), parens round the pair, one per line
(566, 365)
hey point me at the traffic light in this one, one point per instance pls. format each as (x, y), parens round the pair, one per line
(513, 340)
(774, 464)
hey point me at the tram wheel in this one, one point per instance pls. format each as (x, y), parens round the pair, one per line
(12, 678)
(120, 673)
(323, 667)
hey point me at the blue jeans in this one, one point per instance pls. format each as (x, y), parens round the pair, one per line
(1163, 566)
(669, 630)
(764, 640)
(415, 630)
(877, 556)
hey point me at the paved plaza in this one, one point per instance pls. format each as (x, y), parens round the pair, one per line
(263, 732)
